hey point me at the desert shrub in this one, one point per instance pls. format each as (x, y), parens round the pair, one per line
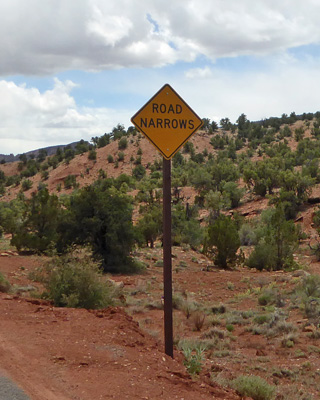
(233, 193)
(311, 286)
(289, 340)
(214, 333)
(177, 301)
(121, 156)
(223, 240)
(230, 327)
(139, 172)
(275, 326)
(4, 284)
(269, 296)
(149, 227)
(26, 185)
(198, 319)
(70, 181)
(123, 143)
(237, 317)
(44, 175)
(261, 319)
(74, 280)
(36, 230)
(280, 327)
(219, 309)
(247, 235)
(262, 257)
(110, 159)
(309, 293)
(254, 387)
(92, 155)
(100, 216)
(186, 228)
(316, 218)
(188, 307)
(274, 250)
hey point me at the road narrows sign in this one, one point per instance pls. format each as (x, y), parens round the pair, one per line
(167, 121)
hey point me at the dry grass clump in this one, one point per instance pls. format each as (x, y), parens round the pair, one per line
(198, 319)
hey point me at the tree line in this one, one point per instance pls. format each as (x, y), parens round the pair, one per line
(100, 215)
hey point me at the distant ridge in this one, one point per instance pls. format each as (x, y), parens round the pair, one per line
(51, 150)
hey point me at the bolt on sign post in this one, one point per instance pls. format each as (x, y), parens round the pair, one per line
(168, 122)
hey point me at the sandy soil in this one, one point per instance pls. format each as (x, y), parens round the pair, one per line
(57, 353)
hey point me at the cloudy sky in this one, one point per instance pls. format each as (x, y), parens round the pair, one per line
(74, 69)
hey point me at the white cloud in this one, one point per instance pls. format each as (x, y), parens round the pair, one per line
(40, 37)
(259, 94)
(111, 29)
(204, 72)
(44, 37)
(30, 119)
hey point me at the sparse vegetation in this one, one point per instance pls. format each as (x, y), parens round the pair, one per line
(26, 184)
(254, 387)
(237, 210)
(194, 358)
(70, 182)
(74, 280)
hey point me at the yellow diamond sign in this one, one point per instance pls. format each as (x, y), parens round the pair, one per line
(167, 121)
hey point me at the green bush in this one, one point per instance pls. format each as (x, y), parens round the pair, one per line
(223, 240)
(110, 159)
(139, 172)
(75, 280)
(36, 230)
(262, 319)
(4, 284)
(309, 292)
(26, 185)
(186, 228)
(70, 181)
(121, 156)
(268, 296)
(100, 216)
(254, 387)
(44, 175)
(262, 257)
(247, 235)
(274, 250)
(311, 286)
(123, 143)
(233, 193)
(92, 155)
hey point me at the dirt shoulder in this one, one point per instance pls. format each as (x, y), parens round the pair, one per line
(56, 353)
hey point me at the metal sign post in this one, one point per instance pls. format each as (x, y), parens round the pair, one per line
(167, 259)
(168, 122)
